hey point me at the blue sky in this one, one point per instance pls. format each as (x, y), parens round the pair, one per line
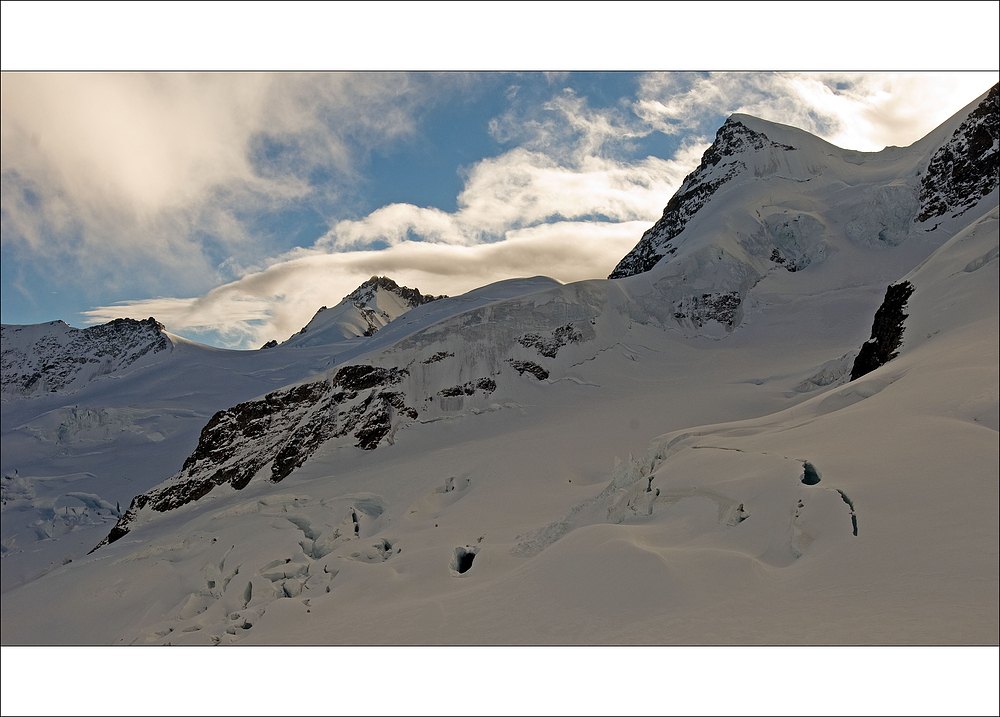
(230, 206)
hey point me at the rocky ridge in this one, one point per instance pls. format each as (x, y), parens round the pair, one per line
(365, 293)
(887, 331)
(54, 357)
(278, 433)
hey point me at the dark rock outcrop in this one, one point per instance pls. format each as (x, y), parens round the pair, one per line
(531, 367)
(887, 331)
(719, 307)
(486, 385)
(276, 434)
(967, 167)
(549, 346)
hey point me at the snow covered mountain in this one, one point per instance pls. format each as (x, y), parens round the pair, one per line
(55, 357)
(362, 312)
(817, 454)
(768, 196)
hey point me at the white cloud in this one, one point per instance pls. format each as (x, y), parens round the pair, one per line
(138, 174)
(521, 188)
(563, 167)
(277, 302)
(864, 111)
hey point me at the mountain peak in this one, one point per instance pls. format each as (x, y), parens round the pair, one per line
(735, 137)
(361, 313)
(764, 162)
(719, 164)
(364, 293)
(785, 200)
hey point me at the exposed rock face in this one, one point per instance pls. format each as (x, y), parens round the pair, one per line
(887, 331)
(278, 433)
(967, 167)
(64, 358)
(720, 307)
(486, 385)
(370, 315)
(531, 367)
(549, 346)
(732, 139)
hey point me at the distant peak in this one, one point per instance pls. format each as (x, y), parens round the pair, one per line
(149, 323)
(363, 312)
(38, 364)
(366, 292)
(376, 282)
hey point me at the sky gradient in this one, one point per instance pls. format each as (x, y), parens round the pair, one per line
(231, 206)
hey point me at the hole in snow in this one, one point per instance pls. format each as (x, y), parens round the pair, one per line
(810, 476)
(463, 559)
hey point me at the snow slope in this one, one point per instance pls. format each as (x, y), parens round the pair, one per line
(455, 478)
(120, 413)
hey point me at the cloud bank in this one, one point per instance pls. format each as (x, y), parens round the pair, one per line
(278, 301)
